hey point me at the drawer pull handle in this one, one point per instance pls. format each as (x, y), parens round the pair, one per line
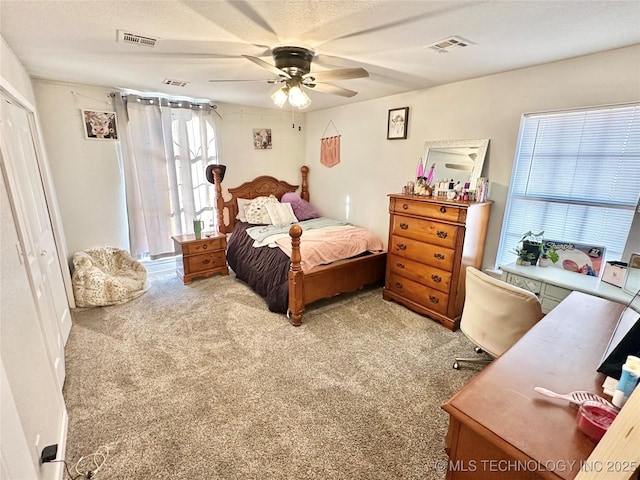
(400, 265)
(404, 226)
(398, 285)
(439, 256)
(436, 278)
(204, 247)
(443, 209)
(208, 260)
(402, 246)
(405, 206)
(442, 234)
(434, 299)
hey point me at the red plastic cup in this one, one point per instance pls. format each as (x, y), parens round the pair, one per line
(594, 418)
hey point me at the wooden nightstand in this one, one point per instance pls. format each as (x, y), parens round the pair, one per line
(200, 257)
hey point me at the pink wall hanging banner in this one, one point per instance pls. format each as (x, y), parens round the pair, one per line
(330, 151)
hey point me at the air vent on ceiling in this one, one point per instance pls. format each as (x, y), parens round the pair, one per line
(448, 44)
(175, 83)
(125, 36)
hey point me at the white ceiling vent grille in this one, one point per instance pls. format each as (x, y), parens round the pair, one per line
(175, 83)
(449, 44)
(128, 37)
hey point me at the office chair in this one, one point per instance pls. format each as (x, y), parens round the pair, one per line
(495, 315)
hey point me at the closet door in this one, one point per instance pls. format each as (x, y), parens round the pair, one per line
(20, 161)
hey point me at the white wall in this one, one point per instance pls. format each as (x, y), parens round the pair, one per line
(489, 107)
(88, 174)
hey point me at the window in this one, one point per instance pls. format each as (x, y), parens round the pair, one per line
(576, 176)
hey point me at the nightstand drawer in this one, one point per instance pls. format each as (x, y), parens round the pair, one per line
(408, 206)
(430, 298)
(434, 255)
(206, 261)
(443, 234)
(419, 272)
(204, 245)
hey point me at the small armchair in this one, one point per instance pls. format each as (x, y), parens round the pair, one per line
(495, 315)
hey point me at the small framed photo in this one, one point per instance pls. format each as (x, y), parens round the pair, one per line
(397, 123)
(99, 125)
(261, 138)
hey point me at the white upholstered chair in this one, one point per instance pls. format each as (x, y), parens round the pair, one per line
(496, 314)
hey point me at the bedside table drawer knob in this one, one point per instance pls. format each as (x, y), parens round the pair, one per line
(442, 234)
(402, 246)
(208, 260)
(404, 226)
(436, 278)
(204, 247)
(400, 265)
(439, 256)
(433, 299)
(405, 206)
(398, 285)
(443, 209)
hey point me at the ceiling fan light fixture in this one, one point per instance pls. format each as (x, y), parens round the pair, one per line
(297, 98)
(280, 97)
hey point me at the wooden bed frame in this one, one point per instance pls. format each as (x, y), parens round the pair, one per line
(325, 281)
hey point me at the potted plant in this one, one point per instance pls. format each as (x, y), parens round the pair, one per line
(533, 243)
(547, 256)
(525, 258)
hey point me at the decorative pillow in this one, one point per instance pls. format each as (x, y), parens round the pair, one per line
(281, 213)
(256, 211)
(301, 208)
(241, 204)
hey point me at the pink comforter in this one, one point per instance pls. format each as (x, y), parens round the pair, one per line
(326, 245)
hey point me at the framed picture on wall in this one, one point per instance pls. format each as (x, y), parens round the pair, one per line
(261, 138)
(397, 123)
(99, 125)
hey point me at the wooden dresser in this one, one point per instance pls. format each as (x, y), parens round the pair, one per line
(200, 257)
(431, 242)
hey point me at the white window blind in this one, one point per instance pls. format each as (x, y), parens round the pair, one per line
(577, 177)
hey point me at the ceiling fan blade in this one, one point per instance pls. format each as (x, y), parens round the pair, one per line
(337, 74)
(332, 89)
(267, 66)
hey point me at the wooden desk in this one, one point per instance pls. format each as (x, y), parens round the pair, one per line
(498, 416)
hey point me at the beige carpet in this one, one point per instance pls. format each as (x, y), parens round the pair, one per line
(202, 381)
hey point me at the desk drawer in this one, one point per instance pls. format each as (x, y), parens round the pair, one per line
(425, 296)
(434, 255)
(557, 293)
(203, 246)
(443, 234)
(206, 261)
(408, 206)
(533, 286)
(419, 272)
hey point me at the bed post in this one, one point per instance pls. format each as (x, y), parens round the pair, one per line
(217, 174)
(296, 291)
(304, 190)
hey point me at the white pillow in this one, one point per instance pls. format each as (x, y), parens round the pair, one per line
(241, 204)
(281, 213)
(256, 211)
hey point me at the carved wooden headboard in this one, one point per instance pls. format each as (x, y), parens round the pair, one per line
(258, 187)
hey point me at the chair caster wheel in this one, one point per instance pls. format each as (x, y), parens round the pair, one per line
(456, 366)
(478, 350)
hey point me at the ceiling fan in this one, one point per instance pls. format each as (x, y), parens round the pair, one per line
(293, 68)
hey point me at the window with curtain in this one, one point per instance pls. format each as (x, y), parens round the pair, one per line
(165, 149)
(576, 177)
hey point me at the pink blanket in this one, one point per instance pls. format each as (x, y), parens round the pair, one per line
(326, 245)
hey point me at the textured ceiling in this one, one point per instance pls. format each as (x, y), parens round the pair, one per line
(76, 41)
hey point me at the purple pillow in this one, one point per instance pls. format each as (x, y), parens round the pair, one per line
(301, 208)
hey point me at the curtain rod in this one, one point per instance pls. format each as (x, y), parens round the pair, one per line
(166, 102)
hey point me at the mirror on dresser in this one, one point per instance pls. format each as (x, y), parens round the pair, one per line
(457, 160)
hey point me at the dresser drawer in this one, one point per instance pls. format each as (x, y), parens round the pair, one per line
(206, 245)
(443, 234)
(206, 261)
(434, 255)
(419, 272)
(436, 211)
(425, 296)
